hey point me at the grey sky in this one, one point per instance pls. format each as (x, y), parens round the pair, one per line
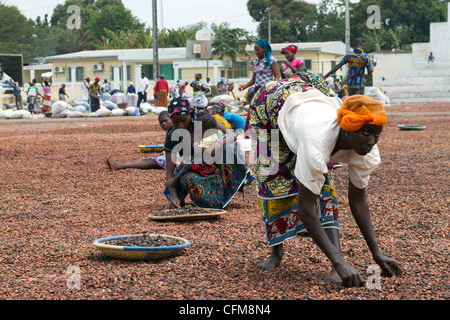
(172, 14)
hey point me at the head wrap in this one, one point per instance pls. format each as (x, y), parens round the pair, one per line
(267, 50)
(358, 110)
(200, 100)
(221, 105)
(290, 48)
(97, 79)
(181, 107)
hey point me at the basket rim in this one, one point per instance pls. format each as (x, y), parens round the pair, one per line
(214, 213)
(99, 243)
(411, 126)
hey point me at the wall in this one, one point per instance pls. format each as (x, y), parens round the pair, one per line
(389, 64)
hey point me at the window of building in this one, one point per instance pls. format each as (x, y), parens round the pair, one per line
(308, 64)
(79, 74)
(167, 71)
(240, 69)
(121, 73)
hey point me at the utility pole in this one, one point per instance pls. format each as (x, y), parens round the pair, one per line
(347, 26)
(270, 31)
(155, 42)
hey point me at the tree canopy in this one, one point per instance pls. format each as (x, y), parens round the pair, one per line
(403, 22)
(108, 24)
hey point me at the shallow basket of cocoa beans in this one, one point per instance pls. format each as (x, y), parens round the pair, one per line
(141, 246)
(187, 213)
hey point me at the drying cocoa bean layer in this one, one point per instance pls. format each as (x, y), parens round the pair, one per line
(57, 195)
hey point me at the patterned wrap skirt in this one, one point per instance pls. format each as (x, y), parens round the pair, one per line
(214, 188)
(282, 220)
(277, 186)
(47, 103)
(161, 98)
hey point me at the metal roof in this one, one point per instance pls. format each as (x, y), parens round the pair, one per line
(179, 54)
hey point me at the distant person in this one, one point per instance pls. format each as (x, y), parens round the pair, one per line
(221, 87)
(431, 58)
(94, 94)
(265, 70)
(47, 103)
(208, 88)
(17, 94)
(158, 162)
(161, 92)
(62, 93)
(106, 86)
(358, 61)
(32, 94)
(291, 65)
(175, 89)
(183, 92)
(143, 86)
(87, 83)
(131, 89)
(340, 90)
(196, 87)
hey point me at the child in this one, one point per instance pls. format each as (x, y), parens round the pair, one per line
(32, 94)
(157, 163)
(17, 94)
(209, 126)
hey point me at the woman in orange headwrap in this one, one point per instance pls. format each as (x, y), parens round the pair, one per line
(317, 131)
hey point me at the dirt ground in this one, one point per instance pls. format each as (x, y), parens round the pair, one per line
(57, 196)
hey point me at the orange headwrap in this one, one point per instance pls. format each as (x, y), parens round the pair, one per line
(358, 110)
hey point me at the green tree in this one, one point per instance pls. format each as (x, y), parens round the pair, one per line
(230, 42)
(291, 20)
(330, 23)
(74, 40)
(113, 16)
(408, 20)
(17, 33)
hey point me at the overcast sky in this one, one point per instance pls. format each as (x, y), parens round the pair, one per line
(172, 14)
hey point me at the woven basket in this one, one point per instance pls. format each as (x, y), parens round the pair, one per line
(139, 253)
(151, 148)
(211, 214)
(411, 127)
(122, 105)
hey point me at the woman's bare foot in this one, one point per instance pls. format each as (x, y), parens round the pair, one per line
(113, 164)
(273, 261)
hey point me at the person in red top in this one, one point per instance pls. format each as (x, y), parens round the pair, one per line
(161, 92)
(291, 65)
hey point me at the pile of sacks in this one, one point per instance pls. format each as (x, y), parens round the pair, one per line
(15, 114)
(108, 108)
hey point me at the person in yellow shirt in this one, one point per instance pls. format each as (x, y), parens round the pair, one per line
(217, 110)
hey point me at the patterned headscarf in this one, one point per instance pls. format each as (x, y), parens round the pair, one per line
(267, 50)
(181, 107)
(358, 110)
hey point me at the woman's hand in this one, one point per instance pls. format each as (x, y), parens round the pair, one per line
(389, 266)
(175, 204)
(242, 87)
(349, 275)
